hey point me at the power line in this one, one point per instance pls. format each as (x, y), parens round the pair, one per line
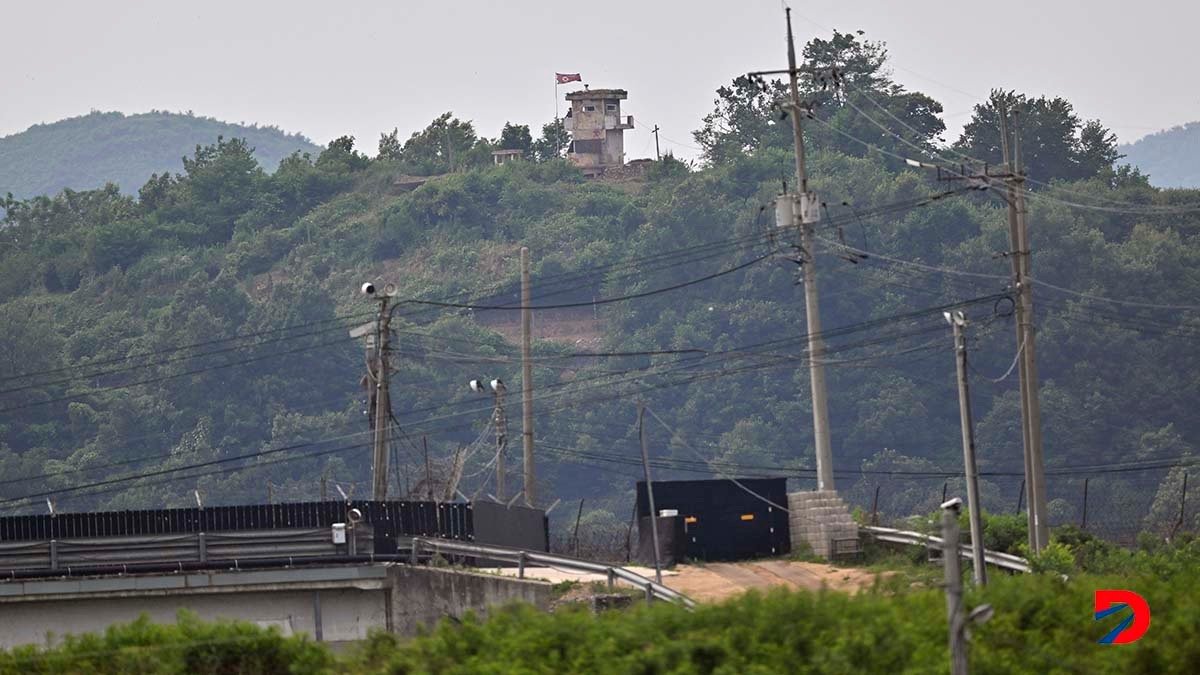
(185, 357)
(603, 301)
(162, 378)
(176, 348)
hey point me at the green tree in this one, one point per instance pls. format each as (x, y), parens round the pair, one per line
(850, 90)
(553, 142)
(389, 145)
(441, 147)
(516, 137)
(1055, 144)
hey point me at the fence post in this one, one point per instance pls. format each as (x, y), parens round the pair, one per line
(53, 554)
(875, 507)
(578, 515)
(202, 546)
(1182, 504)
(649, 592)
(416, 547)
(629, 534)
(612, 578)
(945, 484)
(1020, 495)
(521, 564)
(1083, 526)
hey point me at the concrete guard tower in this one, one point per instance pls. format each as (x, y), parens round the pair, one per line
(597, 129)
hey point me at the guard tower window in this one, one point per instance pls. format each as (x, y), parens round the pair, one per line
(585, 146)
(610, 107)
(589, 108)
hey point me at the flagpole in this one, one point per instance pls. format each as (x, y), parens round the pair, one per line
(556, 148)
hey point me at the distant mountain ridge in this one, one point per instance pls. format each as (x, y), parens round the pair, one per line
(1170, 157)
(110, 147)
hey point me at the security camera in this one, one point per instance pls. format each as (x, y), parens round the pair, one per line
(496, 385)
(952, 503)
(476, 386)
(368, 288)
(354, 516)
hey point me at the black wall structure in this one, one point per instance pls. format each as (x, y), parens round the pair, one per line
(304, 529)
(723, 521)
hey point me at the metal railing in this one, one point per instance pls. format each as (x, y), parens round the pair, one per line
(613, 573)
(1002, 560)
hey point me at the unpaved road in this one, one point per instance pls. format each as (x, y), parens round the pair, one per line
(718, 581)
(714, 582)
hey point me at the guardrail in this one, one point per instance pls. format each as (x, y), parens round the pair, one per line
(1002, 560)
(652, 589)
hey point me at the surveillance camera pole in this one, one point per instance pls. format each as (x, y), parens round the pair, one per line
(958, 322)
(954, 604)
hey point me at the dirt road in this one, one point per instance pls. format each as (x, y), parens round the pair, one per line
(718, 581)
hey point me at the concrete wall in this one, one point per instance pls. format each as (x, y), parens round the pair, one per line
(429, 595)
(333, 604)
(346, 614)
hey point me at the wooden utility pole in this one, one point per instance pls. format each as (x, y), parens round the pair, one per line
(649, 493)
(657, 154)
(958, 322)
(805, 215)
(501, 421)
(1031, 410)
(530, 477)
(379, 455)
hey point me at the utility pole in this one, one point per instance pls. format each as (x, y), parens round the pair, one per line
(530, 477)
(649, 493)
(379, 455)
(1031, 411)
(804, 217)
(657, 154)
(1019, 255)
(501, 421)
(958, 321)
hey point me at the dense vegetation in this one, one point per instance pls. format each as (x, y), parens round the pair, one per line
(1168, 157)
(204, 321)
(1042, 624)
(88, 151)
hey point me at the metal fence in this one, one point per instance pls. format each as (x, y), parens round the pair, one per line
(1119, 506)
(420, 548)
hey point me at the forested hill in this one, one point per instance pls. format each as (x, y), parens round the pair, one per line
(195, 338)
(1171, 158)
(88, 151)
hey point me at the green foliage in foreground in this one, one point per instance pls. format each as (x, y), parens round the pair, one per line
(1042, 624)
(188, 646)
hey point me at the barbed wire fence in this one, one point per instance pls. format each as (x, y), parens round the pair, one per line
(1160, 502)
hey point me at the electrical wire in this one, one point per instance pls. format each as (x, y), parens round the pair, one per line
(603, 301)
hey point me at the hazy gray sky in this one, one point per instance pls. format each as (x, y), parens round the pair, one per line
(364, 66)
